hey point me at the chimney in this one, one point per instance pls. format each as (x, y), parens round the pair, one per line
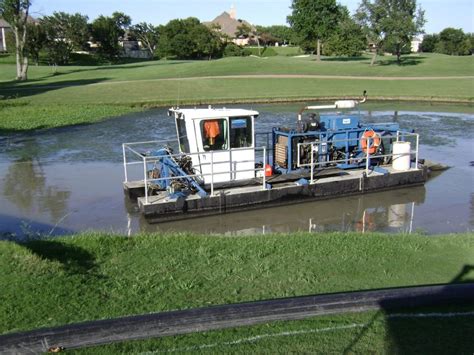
(233, 12)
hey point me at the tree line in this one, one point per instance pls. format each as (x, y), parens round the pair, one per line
(452, 41)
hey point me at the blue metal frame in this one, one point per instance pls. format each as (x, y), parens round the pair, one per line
(169, 168)
(336, 131)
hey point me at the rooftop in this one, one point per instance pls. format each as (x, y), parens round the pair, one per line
(197, 113)
(229, 23)
(4, 23)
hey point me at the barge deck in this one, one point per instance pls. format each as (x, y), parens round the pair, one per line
(162, 207)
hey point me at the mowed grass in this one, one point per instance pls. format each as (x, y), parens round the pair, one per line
(413, 65)
(94, 276)
(363, 333)
(86, 94)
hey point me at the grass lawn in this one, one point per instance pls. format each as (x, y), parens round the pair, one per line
(82, 94)
(95, 276)
(361, 333)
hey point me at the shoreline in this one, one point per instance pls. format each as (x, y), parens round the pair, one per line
(135, 107)
(411, 99)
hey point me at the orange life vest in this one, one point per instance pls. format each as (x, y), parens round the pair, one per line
(211, 129)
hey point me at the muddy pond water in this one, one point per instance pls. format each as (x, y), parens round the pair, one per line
(68, 180)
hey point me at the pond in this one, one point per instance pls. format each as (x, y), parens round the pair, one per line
(69, 180)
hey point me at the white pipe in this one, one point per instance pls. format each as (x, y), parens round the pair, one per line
(4, 41)
(264, 168)
(212, 173)
(125, 162)
(145, 181)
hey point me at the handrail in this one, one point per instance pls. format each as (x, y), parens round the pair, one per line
(146, 159)
(399, 135)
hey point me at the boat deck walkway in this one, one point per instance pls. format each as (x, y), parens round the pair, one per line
(281, 191)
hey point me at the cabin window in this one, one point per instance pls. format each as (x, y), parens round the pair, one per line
(214, 134)
(182, 136)
(241, 132)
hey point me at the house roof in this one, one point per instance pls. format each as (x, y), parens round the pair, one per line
(4, 23)
(228, 24)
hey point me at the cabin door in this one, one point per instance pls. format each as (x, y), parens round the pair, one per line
(214, 145)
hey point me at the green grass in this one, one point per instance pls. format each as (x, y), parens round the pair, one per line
(288, 51)
(73, 94)
(25, 116)
(414, 65)
(362, 333)
(94, 276)
(432, 65)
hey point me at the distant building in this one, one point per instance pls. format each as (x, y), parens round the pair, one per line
(228, 24)
(4, 28)
(415, 44)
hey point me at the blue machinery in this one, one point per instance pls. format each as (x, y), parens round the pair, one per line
(337, 137)
(165, 167)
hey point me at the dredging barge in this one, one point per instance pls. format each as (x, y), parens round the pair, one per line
(221, 165)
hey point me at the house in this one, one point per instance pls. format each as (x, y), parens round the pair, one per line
(4, 28)
(228, 24)
(415, 44)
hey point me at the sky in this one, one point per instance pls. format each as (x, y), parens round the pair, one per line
(439, 13)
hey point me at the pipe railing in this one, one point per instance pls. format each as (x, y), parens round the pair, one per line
(367, 157)
(150, 159)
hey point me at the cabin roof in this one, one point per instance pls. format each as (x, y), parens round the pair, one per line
(198, 113)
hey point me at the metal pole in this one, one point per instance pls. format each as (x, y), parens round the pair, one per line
(125, 162)
(417, 147)
(264, 168)
(312, 164)
(212, 173)
(367, 159)
(146, 180)
(411, 217)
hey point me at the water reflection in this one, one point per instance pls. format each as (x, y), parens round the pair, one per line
(25, 185)
(390, 211)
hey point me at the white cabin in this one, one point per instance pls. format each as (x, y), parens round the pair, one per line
(220, 142)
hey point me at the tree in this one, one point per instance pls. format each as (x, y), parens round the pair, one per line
(348, 39)
(393, 21)
(429, 43)
(314, 21)
(147, 34)
(279, 33)
(453, 41)
(244, 30)
(107, 32)
(16, 13)
(65, 33)
(35, 40)
(188, 39)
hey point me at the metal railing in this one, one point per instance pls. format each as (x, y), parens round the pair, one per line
(150, 159)
(400, 136)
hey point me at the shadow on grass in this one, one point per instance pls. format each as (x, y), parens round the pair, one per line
(345, 59)
(74, 259)
(428, 327)
(404, 61)
(14, 89)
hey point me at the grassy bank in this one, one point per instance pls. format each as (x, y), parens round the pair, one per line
(85, 94)
(363, 333)
(92, 276)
